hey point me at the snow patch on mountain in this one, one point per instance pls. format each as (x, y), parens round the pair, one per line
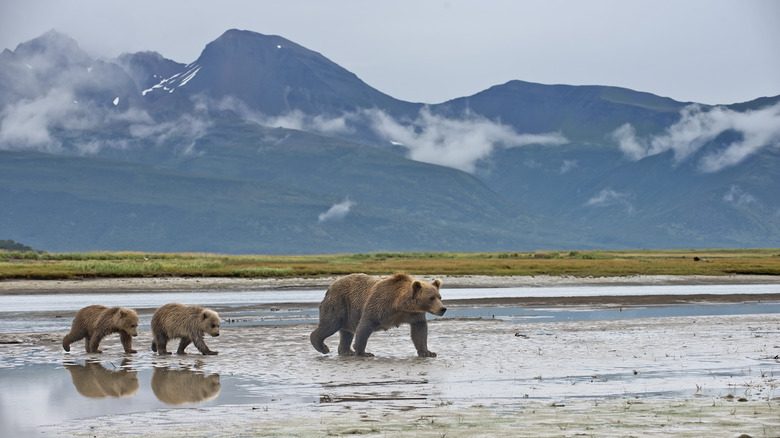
(189, 75)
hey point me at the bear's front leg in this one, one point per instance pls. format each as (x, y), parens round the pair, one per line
(202, 347)
(363, 331)
(127, 342)
(420, 339)
(345, 341)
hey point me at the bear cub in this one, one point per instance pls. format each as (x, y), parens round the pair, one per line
(93, 323)
(358, 305)
(189, 323)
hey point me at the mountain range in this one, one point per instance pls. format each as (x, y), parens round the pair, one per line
(264, 146)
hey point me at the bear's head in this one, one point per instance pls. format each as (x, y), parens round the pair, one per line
(427, 297)
(126, 320)
(209, 322)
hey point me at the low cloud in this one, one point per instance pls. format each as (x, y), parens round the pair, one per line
(697, 126)
(28, 124)
(459, 143)
(609, 197)
(295, 119)
(183, 132)
(337, 211)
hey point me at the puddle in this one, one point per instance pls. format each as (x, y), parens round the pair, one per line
(51, 394)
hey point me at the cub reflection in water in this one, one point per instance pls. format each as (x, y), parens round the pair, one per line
(93, 380)
(179, 386)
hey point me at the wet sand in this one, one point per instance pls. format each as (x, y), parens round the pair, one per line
(689, 376)
(673, 376)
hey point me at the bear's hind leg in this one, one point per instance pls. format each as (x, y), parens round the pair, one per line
(322, 332)
(162, 346)
(183, 345)
(72, 337)
(345, 343)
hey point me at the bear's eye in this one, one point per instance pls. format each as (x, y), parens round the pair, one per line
(213, 325)
(433, 298)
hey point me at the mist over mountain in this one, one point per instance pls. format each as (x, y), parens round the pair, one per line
(263, 146)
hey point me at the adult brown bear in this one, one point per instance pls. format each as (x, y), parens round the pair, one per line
(358, 305)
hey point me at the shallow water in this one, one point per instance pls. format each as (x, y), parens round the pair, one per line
(503, 358)
(54, 312)
(149, 300)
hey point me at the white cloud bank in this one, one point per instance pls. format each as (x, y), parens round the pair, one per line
(459, 143)
(28, 124)
(758, 128)
(34, 124)
(337, 211)
(295, 119)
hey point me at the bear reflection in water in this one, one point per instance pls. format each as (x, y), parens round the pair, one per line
(179, 386)
(93, 380)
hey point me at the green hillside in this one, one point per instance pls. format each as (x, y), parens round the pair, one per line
(62, 203)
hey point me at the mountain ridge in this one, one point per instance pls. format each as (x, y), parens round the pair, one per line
(274, 75)
(250, 144)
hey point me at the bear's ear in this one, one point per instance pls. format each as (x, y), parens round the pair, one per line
(122, 313)
(416, 286)
(204, 314)
(437, 283)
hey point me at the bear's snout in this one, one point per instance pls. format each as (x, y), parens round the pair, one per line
(216, 334)
(441, 311)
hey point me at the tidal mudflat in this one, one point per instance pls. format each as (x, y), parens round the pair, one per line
(713, 374)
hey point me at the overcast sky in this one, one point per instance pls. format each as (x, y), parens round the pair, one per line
(707, 51)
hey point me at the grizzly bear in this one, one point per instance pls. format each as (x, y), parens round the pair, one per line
(358, 305)
(93, 323)
(189, 323)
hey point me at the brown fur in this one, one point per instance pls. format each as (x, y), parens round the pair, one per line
(93, 323)
(358, 305)
(176, 387)
(189, 323)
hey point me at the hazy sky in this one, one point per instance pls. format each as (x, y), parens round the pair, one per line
(708, 51)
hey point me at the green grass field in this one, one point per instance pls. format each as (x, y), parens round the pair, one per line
(30, 265)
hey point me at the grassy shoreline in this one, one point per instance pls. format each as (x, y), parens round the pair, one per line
(712, 262)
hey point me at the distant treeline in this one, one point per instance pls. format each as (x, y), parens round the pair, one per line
(10, 245)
